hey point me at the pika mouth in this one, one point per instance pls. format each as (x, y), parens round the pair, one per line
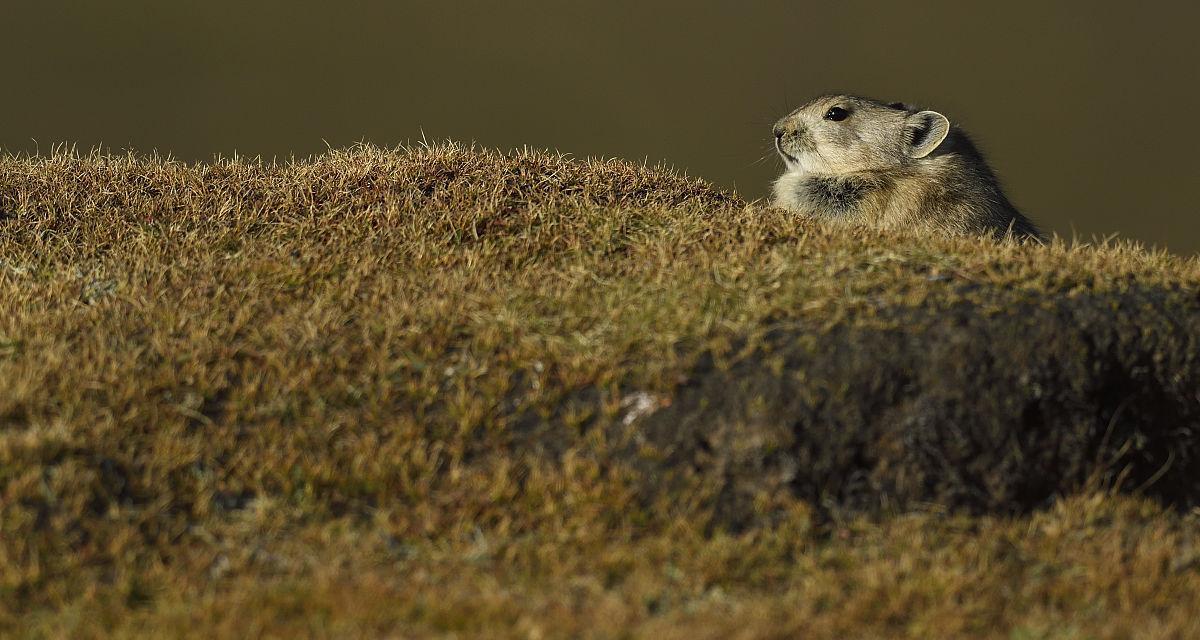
(788, 159)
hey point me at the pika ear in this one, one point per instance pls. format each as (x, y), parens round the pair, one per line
(924, 131)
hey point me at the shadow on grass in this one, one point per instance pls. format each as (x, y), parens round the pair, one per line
(985, 412)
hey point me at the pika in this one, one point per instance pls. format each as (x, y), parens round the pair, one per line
(890, 165)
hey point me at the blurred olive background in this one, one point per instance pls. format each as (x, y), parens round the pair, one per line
(1088, 111)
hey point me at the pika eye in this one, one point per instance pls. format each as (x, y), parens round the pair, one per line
(837, 114)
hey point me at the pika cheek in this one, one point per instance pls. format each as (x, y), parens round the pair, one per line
(805, 140)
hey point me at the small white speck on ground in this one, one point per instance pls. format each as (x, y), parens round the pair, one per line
(637, 405)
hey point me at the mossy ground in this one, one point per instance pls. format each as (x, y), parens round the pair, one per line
(451, 391)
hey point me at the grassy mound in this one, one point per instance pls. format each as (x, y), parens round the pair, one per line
(451, 390)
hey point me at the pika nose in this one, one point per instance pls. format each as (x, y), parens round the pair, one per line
(785, 127)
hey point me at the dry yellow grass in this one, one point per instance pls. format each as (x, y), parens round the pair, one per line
(404, 393)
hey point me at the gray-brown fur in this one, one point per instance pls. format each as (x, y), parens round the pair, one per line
(890, 165)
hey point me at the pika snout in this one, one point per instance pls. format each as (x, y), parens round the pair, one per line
(792, 139)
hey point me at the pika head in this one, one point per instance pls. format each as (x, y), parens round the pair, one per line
(838, 134)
